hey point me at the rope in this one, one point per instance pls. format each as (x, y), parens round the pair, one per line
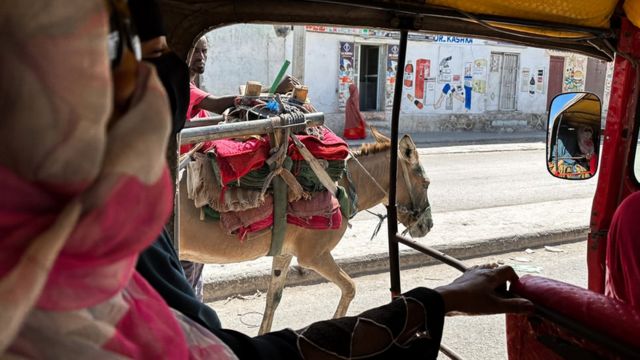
(353, 156)
(379, 225)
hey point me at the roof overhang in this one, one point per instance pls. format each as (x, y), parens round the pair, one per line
(187, 19)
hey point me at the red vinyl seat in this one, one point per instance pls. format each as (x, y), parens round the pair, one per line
(529, 336)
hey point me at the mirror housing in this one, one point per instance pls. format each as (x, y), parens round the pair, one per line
(573, 135)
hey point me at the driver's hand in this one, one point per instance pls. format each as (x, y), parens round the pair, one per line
(481, 290)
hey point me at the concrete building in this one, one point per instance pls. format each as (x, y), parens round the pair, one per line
(451, 83)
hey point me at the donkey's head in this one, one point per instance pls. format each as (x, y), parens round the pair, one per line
(414, 210)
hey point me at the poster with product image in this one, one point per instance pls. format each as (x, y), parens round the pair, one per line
(392, 67)
(479, 82)
(540, 80)
(449, 63)
(468, 85)
(430, 91)
(423, 71)
(345, 72)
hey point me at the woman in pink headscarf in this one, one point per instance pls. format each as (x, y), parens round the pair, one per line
(587, 148)
(76, 207)
(354, 124)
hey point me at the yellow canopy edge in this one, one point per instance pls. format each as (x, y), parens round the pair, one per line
(632, 9)
(589, 13)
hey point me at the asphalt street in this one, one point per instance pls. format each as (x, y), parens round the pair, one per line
(478, 337)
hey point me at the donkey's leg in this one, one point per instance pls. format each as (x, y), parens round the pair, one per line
(325, 265)
(279, 270)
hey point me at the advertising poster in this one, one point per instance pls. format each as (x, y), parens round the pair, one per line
(449, 63)
(540, 80)
(524, 79)
(345, 72)
(575, 68)
(479, 83)
(430, 91)
(423, 71)
(468, 85)
(392, 68)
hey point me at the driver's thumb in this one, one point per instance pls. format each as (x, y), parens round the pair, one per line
(516, 305)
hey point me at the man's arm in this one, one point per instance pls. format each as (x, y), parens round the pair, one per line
(216, 104)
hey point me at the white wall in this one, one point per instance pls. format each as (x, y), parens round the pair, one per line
(243, 52)
(322, 54)
(321, 73)
(476, 59)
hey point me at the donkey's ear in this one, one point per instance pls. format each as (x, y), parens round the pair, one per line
(378, 135)
(407, 149)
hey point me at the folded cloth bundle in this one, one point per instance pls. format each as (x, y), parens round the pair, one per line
(244, 231)
(203, 188)
(235, 159)
(320, 204)
(317, 222)
(321, 211)
(328, 146)
(240, 221)
(308, 178)
(254, 179)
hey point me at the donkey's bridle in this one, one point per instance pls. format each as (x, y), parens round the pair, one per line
(411, 212)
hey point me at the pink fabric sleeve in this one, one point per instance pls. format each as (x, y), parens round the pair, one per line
(623, 253)
(195, 97)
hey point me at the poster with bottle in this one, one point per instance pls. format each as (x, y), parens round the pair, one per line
(408, 75)
(392, 68)
(345, 72)
(532, 85)
(423, 71)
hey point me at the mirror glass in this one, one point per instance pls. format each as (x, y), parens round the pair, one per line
(573, 135)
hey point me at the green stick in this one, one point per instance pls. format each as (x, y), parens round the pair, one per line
(276, 82)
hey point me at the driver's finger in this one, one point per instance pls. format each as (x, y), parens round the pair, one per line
(505, 273)
(491, 265)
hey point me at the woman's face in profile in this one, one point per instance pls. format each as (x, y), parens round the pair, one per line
(585, 139)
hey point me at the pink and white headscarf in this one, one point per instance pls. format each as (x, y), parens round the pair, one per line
(79, 200)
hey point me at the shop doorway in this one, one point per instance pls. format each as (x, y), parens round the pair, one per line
(503, 77)
(369, 77)
(556, 69)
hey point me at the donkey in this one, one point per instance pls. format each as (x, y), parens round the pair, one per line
(206, 242)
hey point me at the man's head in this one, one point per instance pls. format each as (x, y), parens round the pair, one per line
(198, 56)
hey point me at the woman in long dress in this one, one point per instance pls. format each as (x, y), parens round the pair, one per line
(354, 124)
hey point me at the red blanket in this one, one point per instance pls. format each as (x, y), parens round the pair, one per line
(318, 222)
(236, 159)
(313, 222)
(331, 147)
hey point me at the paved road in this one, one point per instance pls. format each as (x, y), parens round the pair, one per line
(481, 337)
(486, 176)
(479, 193)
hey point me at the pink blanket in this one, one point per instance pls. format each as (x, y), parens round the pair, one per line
(320, 212)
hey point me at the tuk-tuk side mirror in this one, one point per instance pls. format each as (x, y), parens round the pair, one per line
(573, 135)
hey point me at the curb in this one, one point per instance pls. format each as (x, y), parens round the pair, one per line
(377, 263)
(434, 143)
